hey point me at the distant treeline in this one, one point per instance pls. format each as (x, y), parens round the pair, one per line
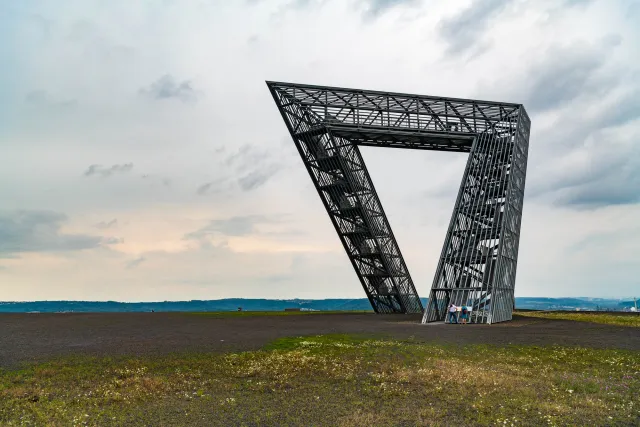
(232, 304)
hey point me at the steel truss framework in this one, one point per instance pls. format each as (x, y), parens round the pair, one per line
(477, 265)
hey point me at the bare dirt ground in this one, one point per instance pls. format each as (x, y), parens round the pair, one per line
(38, 337)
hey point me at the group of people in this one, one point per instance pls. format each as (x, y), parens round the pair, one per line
(462, 312)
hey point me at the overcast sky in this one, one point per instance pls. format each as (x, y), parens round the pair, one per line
(142, 157)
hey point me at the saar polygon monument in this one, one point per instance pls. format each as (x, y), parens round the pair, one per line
(477, 266)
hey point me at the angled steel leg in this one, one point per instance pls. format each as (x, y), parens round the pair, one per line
(337, 170)
(478, 261)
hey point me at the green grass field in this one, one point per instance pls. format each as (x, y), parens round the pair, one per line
(332, 380)
(610, 318)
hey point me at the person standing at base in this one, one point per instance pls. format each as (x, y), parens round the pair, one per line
(452, 313)
(464, 314)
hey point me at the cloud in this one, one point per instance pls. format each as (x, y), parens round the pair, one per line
(41, 98)
(261, 164)
(570, 130)
(583, 106)
(258, 178)
(242, 226)
(247, 156)
(591, 159)
(112, 240)
(463, 31)
(299, 4)
(291, 6)
(166, 87)
(39, 231)
(105, 172)
(576, 3)
(135, 263)
(372, 8)
(261, 232)
(568, 72)
(204, 188)
(234, 226)
(211, 187)
(611, 176)
(375, 8)
(156, 180)
(104, 225)
(609, 239)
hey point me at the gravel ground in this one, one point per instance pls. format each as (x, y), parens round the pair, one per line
(30, 337)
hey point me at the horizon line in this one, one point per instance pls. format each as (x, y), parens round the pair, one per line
(275, 299)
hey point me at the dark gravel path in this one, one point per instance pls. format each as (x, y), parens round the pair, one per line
(36, 337)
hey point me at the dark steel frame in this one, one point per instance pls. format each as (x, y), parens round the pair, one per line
(477, 266)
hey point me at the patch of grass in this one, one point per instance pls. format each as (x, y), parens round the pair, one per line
(332, 380)
(224, 314)
(610, 318)
(333, 340)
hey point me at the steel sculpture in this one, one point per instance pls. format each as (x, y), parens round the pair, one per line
(478, 262)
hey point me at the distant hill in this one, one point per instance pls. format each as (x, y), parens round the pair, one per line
(232, 304)
(536, 303)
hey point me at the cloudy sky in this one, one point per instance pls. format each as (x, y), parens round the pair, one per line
(144, 159)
